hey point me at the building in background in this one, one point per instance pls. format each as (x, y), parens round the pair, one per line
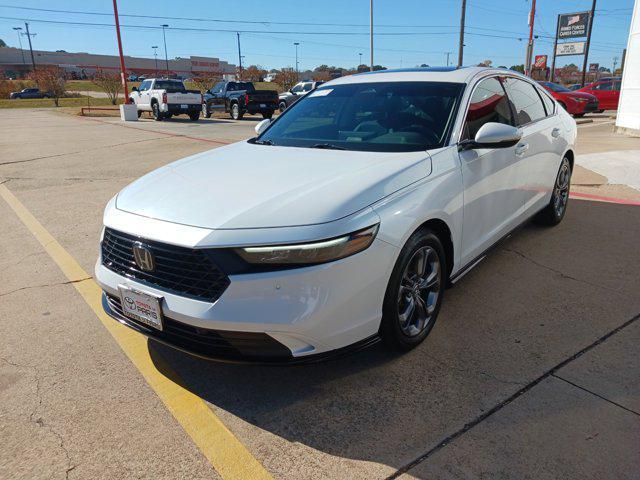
(628, 118)
(83, 65)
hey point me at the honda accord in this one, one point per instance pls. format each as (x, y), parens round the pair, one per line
(342, 222)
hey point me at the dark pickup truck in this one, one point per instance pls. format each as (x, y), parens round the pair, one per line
(238, 98)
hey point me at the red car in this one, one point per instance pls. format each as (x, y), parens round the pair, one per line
(577, 103)
(607, 91)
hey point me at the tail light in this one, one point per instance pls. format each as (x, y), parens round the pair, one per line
(246, 99)
(164, 98)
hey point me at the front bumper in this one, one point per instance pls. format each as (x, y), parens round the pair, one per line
(283, 316)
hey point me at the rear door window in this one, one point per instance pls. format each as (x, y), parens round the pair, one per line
(525, 101)
(489, 103)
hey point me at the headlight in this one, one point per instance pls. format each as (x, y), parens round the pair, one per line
(580, 99)
(310, 253)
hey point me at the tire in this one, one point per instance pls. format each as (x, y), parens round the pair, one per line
(194, 117)
(554, 212)
(157, 114)
(139, 113)
(206, 112)
(402, 327)
(268, 114)
(235, 112)
(282, 106)
(599, 111)
(578, 115)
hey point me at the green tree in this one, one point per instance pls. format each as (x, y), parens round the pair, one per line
(2, 43)
(517, 68)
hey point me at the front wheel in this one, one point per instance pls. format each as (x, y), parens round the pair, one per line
(157, 114)
(194, 116)
(236, 114)
(578, 115)
(554, 212)
(414, 293)
(268, 114)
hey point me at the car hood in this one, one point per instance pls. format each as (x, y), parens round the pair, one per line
(258, 186)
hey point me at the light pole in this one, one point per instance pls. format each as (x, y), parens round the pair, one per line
(448, 53)
(297, 71)
(360, 62)
(166, 57)
(371, 33)
(18, 29)
(155, 56)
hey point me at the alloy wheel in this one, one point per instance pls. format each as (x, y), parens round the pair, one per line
(561, 189)
(419, 291)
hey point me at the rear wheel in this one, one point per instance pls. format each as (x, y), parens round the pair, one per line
(414, 293)
(194, 116)
(578, 115)
(268, 114)
(157, 114)
(553, 213)
(206, 111)
(235, 113)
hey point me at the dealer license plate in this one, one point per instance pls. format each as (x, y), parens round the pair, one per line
(263, 105)
(142, 307)
(184, 107)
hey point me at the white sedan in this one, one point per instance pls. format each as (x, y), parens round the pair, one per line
(342, 222)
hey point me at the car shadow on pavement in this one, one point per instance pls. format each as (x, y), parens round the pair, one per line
(531, 304)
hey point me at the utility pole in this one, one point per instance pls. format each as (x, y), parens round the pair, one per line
(166, 57)
(360, 62)
(17, 29)
(624, 57)
(555, 47)
(448, 53)
(461, 44)
(239, 58)
(123, 76)
(371, 33)
(155, 56)
(586, 49)
(297, 69)
(532, 19)
(615, 63)
(29, 35)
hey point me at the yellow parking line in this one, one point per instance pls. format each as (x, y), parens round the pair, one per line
(225, 452)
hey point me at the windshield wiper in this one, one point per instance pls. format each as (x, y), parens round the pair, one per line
(327, 146)
(261, 142)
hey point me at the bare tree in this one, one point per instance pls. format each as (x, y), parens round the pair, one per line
(287, 78)
(110, 83)
(50, 80)
(254, 73)
(204, 81)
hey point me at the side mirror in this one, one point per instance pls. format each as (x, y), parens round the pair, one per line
(493, 135)
(262, 126)
(134, 89)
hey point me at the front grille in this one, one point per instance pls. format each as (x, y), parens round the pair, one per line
(222, 344)
(184, 271)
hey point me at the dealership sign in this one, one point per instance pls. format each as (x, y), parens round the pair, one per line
(573, 25)
(571, 48)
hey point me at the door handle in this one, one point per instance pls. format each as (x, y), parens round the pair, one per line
(521, 148)
(555, 133)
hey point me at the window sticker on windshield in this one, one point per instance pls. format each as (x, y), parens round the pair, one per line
(321, 93)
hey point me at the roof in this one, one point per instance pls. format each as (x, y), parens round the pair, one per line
(436, 74)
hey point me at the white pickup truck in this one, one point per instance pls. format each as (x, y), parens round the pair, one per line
(166, 97)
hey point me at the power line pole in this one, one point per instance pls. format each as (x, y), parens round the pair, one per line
(29, 35)
(624, 57)
(371, 33)
(123, 76)
(166, 57)
(532, 19)
(461, 44)
(555, 47)
(239, 58)
(615, 63)
(586, 48)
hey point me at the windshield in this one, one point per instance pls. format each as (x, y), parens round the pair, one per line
(171, 86)
(379, 117)
(555, 87)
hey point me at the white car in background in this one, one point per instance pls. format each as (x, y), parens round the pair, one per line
(166, 97)
(343, 221)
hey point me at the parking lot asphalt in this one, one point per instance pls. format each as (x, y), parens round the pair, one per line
(530, 372)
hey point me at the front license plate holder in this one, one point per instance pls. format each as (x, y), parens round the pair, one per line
(142, 307)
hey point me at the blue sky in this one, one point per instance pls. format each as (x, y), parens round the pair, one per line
(428, 29)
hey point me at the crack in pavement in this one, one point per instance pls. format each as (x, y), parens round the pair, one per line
(40, 421)
(481, 418)
(559, 272)
(68, 282)
(46, 157)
